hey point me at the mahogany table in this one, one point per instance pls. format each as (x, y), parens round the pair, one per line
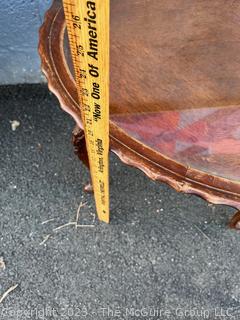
(174, 91)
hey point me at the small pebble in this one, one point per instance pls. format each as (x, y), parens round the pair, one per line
(2, 264)
(14, 124)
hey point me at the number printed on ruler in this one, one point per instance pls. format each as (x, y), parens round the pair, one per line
(88, 32)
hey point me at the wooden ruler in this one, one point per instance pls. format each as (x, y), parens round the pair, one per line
(88, 33)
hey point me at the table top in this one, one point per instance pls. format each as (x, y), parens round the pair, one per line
(174, 84)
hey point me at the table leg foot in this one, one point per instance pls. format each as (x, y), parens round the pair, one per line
(234, 223)
(88, 188)
(80, 149)
(79, 144)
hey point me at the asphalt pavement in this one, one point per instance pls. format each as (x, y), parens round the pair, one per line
(164, 255)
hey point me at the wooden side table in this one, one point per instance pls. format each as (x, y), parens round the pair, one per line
(174, 92)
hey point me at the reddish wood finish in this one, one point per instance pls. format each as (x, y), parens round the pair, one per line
(175, 90)
(235, 221)
(79, 143)
(80, 149)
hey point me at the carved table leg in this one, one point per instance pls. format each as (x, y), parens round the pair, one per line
(234, 223)
(80, 149)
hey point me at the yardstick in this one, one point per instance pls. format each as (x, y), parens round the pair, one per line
(88, 32)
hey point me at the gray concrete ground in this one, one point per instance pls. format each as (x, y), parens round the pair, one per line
(19, 23)
(169, 253)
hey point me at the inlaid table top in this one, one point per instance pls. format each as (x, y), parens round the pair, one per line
(174, 89)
